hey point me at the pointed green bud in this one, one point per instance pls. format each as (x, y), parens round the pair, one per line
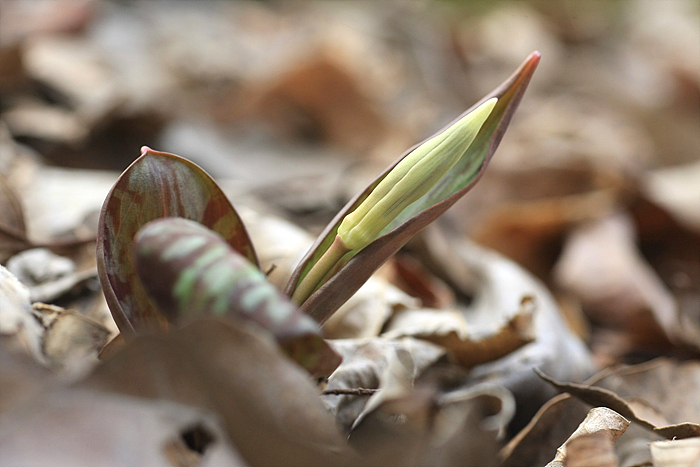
(412, 178)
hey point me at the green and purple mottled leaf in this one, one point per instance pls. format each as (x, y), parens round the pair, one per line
(191, 272)
(357, 267)
(156, 185)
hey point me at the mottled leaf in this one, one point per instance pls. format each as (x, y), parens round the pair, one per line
(190, 271)
(156, 185)
(355, 270)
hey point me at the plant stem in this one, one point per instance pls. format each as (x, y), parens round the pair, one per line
(312, 280)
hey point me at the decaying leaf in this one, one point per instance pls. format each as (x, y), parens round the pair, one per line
(536, 444)
(268, 406)
(69, 337)
(602, 265)
(366, 313)
(599, 420)
(502, 291)
(85, 427)
(335, 291)
(591, 449)
(449, 329)
(13, 231)
(676, 453)
(156, 185)
(48, 275)
(191, 272)
(423, 428)
(391, 366)
(657, 395)
(16, 314)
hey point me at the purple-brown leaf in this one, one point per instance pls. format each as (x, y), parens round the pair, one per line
(190, 272)
(156, 185)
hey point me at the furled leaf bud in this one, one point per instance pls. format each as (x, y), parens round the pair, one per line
(412, 178)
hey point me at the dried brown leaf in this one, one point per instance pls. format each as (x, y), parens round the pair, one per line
(536, 444)
(500, 290)
(602, 265)
(70, 337)
(16, 314)
(676, 453)
(376, 363)
(449, 329)
(86, 427)
(591, 450)
(599, 420)
(269, 408)
(13, 231)
(658, 395)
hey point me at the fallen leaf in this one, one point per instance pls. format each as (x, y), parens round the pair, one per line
(658, 395)
(76, 426)
(390, 365)
(502, 291)
(599, 420)
(594, 449)
(537, 442)
(423, 428)
(13, 231)
(267, 405)
(676, 453)
(69, 337)
(677, 189)
(16, 314)
(366, 313)
(602, 265)
(449, 329)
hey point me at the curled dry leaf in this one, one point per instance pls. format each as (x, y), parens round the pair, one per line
(190, 271)
(601, 264)
(423, 428)
(111, 429)
(676, 453)
(591, 449)
(536, 444)
(659, 395)
(366, 313)
(69, 337)
(16, 314)
(449, 329)
(268, 406)
(502, 291)
(48, 276)
(13, 231)
(599, 420)
(156, 185)
(376, 363)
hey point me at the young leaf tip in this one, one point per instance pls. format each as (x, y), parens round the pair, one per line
(412, 178)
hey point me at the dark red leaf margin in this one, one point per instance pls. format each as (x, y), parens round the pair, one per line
(156, 185)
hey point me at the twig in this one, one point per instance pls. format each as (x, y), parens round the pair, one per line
(349, 392)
